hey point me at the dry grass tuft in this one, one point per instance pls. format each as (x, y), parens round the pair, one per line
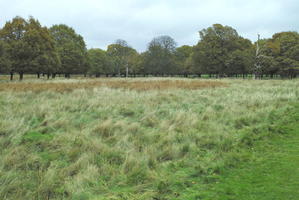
(107, 144)
(140, 85)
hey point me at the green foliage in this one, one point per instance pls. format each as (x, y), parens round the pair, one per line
(159, 58)
(219, 52)
(183, 56)
(99, 62)
(282, 52)
(13, 34)
(4, 61)
(30, 47)
(71, 49)
(44, 58)
(240, 62)
(123, 56)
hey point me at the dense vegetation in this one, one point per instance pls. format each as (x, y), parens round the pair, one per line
(169, 141)
(28, 47)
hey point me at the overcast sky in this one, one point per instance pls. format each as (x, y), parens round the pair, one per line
(101, 22)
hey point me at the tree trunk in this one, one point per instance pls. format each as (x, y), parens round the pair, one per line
(48, 75)
(127, 72)
(21, 76)
(53, 75)
(11, 76)
(38, 75)
(271, 76)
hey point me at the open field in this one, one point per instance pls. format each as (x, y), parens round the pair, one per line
(134, 139)
(140, 85)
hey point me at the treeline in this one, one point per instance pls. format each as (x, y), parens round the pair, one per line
(27, 47)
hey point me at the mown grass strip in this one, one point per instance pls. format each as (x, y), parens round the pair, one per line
(272, 173)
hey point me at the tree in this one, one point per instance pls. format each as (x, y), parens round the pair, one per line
(135, 63)
(214, 52)
(240, 62)
(182, 56)
(122, 43)
(241, 59)
(284, 49)
(99, 61)
(159, 58)
(4, 61)
(30, 47)
(121, 53)
(71, 49)
(13, 34)
(43, 53)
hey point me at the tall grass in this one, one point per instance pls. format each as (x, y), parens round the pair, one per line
(131, 141)
(139, 85)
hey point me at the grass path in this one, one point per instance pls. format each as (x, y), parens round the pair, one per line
(272, 174)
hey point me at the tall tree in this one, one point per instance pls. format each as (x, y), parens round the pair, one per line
(71, 49)
(100, 62)
(182, 57)
(30, 47)
(159, 58)
(121, 53)
(42, 49)
(241, 59)
(214, 52)
(135, 63)
(4, 61)
(13, 34)
(283, 48)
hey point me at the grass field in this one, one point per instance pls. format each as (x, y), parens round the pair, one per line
(136, 139)
(271, 174)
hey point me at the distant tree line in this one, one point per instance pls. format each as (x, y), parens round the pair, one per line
(27, 47)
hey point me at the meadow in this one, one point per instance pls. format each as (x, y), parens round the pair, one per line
(133, 139)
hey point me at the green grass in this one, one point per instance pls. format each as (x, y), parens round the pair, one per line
(273, 176)
(104, 143)
(271, 172)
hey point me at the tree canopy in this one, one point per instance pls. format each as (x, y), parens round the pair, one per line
(282, 51)
(222, 51)
(121, 53)
(159, 58)
(71, 49)
(28, 47)
(99, 61)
